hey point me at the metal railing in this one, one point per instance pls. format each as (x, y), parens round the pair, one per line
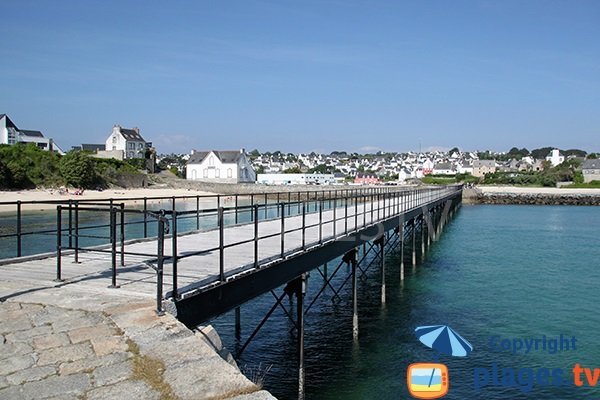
(330, 215)
(14, 224)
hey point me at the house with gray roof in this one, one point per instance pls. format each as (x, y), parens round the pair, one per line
(220, 166)
(10, 134)
(482, 167)
(591, 170)
(129, 141)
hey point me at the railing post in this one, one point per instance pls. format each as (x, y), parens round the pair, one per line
(346, 215)
(160, 266)
(266, 208)
(70, 224)
(198, 213)
(174, 250)
(113, 246)
(19, 222)
(283, 229)
(76, 233)
(236, 209)
(58, 244)
(303, 225)
(251, 205)
(122, 220)
(277, 207)
(255, 236)
(334, 217)
(221, 247)
(321, 221)
(145, 217)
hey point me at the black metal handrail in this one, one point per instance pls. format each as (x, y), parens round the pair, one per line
(144, 202)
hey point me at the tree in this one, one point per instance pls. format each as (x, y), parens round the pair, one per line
(592, 156)
(293, 170)
(454, 150)
(77, 169)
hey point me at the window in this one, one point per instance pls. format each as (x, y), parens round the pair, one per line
(205, 173)
(218, 173)
(140, 146)
(211, 161)
(115, 139)
(229, 173)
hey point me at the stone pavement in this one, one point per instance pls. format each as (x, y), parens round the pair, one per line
(56, 344)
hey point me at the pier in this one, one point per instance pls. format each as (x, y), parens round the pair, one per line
(199, 257)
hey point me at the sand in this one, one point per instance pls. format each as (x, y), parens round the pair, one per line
(54, 195)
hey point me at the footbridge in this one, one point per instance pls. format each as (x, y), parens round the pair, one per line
(201, 256)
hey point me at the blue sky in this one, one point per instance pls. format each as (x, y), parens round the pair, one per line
(306, 75)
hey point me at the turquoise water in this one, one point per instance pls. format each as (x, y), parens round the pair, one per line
(505, 272)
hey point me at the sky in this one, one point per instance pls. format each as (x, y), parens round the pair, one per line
(301, 76)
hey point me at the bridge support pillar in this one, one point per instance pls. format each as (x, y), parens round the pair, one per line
(381, 241)
(353, 261)
(300, 292)
(423, 236)
(238, 324)
(414, 239)
(401, 233)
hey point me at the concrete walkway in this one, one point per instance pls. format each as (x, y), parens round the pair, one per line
(60, 343)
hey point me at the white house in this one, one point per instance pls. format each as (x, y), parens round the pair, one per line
(220, 166)
(591, 170)
(443, 169)
(296, 179)
(129, 141)
(10, 134)
(465, 168)
(555, 157)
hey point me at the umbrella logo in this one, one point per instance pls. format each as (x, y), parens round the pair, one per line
(444, 339)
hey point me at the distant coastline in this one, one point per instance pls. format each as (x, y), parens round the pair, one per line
(531, 196)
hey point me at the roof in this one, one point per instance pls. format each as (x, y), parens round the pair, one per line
(9, 123)
(93, 147)
(443, 166)
(484, 163)
(226, 157)
(131, 134)
(31, 133)
(591, 164)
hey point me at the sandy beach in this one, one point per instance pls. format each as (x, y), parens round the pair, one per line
(39, 195)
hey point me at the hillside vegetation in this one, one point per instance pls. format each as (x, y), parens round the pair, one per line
(28, 167)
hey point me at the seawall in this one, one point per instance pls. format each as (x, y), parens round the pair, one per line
(479, 196)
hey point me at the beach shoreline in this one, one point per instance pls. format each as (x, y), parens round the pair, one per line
(40, 196)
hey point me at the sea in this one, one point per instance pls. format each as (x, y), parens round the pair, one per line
(519, 283)
(499, 275)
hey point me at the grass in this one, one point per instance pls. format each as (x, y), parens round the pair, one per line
(150, 370)
(590, 185)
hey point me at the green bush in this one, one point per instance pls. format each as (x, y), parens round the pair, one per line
(77, 169)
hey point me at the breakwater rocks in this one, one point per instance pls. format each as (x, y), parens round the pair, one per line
(475, 196)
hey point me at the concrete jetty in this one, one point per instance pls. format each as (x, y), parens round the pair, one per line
(67, 343)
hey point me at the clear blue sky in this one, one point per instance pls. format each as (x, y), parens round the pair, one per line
(306, 75)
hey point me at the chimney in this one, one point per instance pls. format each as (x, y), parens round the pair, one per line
(136, 129)
(242, 150)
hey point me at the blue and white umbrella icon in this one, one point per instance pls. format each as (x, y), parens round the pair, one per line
(444, 339)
